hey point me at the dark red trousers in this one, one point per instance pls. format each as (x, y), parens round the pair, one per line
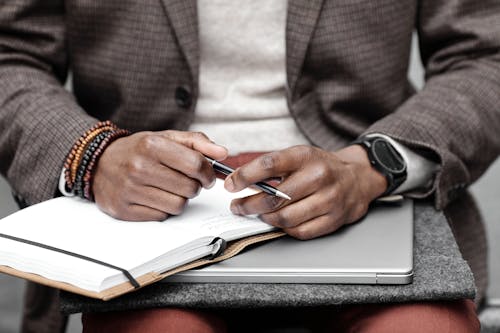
(429, 317)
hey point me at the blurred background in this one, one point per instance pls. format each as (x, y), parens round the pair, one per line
(486, 191)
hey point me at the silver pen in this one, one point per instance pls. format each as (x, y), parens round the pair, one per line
(222, 168)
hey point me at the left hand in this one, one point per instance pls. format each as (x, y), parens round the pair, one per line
(328, 189)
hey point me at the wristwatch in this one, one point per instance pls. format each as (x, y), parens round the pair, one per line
(385, 159)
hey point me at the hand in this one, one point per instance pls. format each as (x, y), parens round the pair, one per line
(148, 176)
(327, 189)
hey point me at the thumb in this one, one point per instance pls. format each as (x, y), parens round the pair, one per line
(197, 141)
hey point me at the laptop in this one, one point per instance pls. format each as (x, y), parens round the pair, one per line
(375, 250)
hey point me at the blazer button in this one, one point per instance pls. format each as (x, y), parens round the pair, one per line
(183, 97)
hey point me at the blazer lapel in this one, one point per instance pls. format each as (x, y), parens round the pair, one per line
(301, 21)
(183, 16)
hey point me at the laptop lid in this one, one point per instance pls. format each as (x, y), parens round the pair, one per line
(376, 250)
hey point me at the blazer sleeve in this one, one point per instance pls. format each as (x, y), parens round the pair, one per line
(456, 116)
(39, 119)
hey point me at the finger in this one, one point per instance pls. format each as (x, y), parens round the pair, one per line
(297, 186)
(275, 164)
(170, 180)
(260, 203)
(159, 200)
(185, 160)
(138, 213)
(197, 141)
(299, 212)
(319, 226)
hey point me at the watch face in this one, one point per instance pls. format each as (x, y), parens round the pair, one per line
(387, 156)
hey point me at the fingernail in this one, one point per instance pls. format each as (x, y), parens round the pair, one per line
(228, 184)
(235, 209)
(212, 183)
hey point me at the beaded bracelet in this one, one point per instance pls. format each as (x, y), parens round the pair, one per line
(73, 158)
(79, 143)
(84, 161)
(87, 179)
(81, 161)
(83, 145)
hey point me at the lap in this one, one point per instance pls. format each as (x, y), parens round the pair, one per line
(447, 316)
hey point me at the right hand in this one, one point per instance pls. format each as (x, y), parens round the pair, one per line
(148, 176)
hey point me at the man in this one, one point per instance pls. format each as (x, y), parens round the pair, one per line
(337, 72)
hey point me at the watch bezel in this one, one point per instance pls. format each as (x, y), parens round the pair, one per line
(397, 156)
(395, 177)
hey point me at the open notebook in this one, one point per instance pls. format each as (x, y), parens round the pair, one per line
(70, 244)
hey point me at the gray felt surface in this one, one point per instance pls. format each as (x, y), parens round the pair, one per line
(440, 273)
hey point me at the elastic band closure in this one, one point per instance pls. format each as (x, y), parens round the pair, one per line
(48, 247)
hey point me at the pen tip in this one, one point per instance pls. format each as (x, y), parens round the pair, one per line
(282, 195)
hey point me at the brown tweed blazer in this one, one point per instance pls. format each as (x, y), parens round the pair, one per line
(137, 63)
